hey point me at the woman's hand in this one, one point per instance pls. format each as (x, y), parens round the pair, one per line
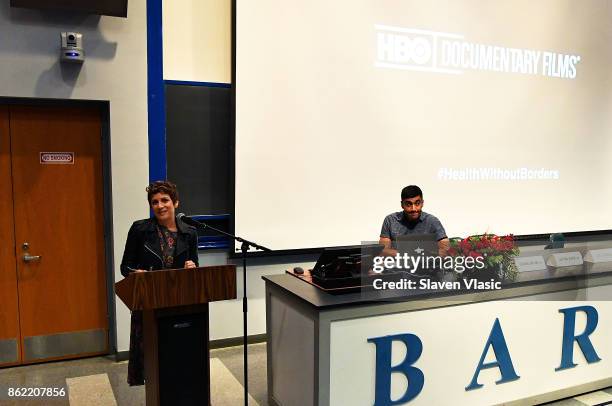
(190, 264)
(139, 270)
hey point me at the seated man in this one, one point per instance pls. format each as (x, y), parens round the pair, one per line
(411, 220)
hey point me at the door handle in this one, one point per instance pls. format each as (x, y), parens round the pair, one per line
(30, 258)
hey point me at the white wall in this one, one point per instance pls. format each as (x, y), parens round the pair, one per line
(197, 40)
(115, 69)
(197, 47)
(226, 316)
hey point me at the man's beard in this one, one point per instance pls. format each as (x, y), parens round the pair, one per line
(411, 216)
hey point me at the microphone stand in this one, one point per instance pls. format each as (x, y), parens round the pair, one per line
(244, 247)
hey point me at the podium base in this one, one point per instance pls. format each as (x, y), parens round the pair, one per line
(181, 352)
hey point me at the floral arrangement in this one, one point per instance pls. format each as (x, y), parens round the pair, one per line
(496, 252)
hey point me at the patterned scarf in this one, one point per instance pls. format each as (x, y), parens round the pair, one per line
(167, 243)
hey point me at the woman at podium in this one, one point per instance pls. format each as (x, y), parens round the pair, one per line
(161, 242)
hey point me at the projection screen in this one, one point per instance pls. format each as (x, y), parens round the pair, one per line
(501, 111)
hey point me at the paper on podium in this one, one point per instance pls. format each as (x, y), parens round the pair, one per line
(530, 268)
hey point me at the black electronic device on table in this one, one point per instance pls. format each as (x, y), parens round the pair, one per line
(417, 244)
(346, 263)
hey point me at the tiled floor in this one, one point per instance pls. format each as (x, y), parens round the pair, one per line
(102, 382)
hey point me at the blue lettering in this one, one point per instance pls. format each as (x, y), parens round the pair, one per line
(569, 336)
(502, 358)
(384, 369)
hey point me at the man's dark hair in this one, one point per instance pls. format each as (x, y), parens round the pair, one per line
(162, 186)
(411, 191)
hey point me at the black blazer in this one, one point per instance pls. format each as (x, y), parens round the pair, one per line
(142, 250)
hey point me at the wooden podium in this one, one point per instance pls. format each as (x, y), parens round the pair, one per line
(175, 327)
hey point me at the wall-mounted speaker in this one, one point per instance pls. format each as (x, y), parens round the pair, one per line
(117, 8)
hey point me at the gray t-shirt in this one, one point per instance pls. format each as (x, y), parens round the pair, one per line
(396, 224)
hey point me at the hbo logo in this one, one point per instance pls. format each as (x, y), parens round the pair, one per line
(402, 49)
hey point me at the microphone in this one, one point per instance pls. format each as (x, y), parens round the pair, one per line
(203, 226)
(188, 220)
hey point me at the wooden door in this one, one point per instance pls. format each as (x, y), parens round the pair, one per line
(58, 216)
(9, 308)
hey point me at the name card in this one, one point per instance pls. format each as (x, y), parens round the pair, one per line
(599, 255)
(528, 264)
(564, 259)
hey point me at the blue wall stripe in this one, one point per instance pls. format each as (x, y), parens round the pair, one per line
(157, 97)
(190, 83)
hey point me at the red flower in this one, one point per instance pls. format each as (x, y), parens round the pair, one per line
(465, 246)
(482, 244)
(475, 254)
